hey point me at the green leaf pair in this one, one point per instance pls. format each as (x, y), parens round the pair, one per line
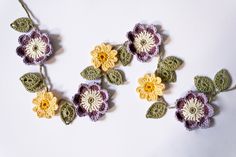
(222, 81)
(33, 82)
(113, 76)
(166, 69)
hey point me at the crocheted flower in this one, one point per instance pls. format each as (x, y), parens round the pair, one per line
(104, 57)
(194, 110)
(34, 47)
(91, 100)
(46, 104)
(150, 87)
(144, 42)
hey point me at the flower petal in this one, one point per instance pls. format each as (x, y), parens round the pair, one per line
(28, 60)
(105, 95)
(131, 36)
(131, 48)
(143, 57)
(179, 116)
(104, 107)
(180, 103)
(209, 110)
(76, 99)
(94, 116)
(24, 39)
(139, 28)
(81, 112)
(154, 51)
(95, 87)
(35, 34)
(191, 125)
(20, 51)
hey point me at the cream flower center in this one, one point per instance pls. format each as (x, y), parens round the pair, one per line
(144, 41)
(36, 48)
(91, 100)
(193, 110)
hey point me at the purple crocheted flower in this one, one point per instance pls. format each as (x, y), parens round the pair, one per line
(144, 42)
(194, 110)
(91, 100)
(35, 47)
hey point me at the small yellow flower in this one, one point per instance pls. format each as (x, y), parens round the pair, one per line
(46, 104)
(104, 57)
(150, 87)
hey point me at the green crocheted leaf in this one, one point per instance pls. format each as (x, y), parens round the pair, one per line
(114, 77)
(222, 80)
(67, 112)
(91, 73)
(124, 56)
(22, 24)
(204, 84)
(166, 76)
(171, 63)
(33, 82)
(157, 110)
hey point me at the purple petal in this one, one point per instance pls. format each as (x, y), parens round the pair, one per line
(139, 28)
(76, 99)
(95, 87)
(131, 48)
(24, 39)
(208, 110)
(152, 29)
(180, 103)
(157, 39)
(191, 125)
(20, 51)
(130, 36)
(82, 88)
(154, 51)
(28, 60)
(40, 59)
(179, 116)
(35, 34)
(45, 38)
(105, 95)
(202, 97)
(48, 50)
(190, 95)
(143, 57)
(205, 123)
(94, 116)
(104, 107)
(81, 112)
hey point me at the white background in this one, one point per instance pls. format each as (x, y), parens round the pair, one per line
(201, 32)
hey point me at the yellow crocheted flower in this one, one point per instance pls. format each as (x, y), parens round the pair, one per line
(46, 104)
(104, 57)
(150, 87)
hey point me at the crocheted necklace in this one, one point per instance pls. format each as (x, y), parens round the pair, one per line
(93, 100)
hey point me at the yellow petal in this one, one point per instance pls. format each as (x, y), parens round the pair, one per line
(143, 95)
(48, 96)
(142, 81)
(96, 63)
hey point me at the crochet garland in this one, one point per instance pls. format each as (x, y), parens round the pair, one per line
(92, 99)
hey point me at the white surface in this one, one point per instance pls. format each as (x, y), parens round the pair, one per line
(202, 33)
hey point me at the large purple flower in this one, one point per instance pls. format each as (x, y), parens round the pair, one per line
(144, 42)
(91, 100)
(35, 47)
(194, 110)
